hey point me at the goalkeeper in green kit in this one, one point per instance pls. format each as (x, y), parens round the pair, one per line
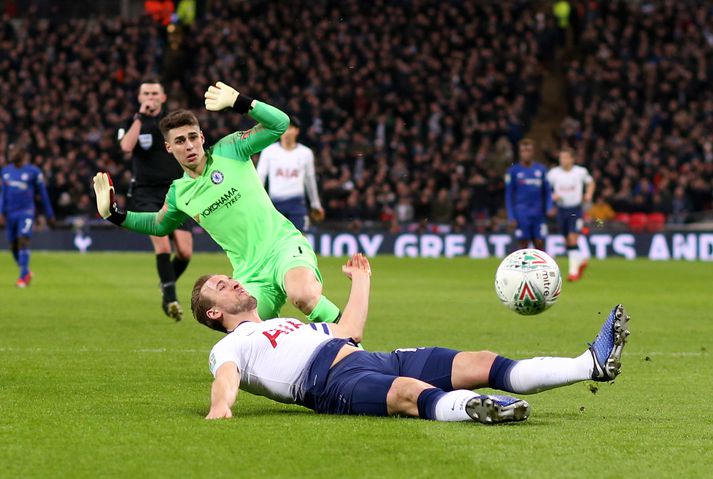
(221, 190)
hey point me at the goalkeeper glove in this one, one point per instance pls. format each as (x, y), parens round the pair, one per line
(223, 96)
(104, 191)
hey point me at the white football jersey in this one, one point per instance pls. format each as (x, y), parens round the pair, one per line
(289, 173)
(272, 356)
(569, 185)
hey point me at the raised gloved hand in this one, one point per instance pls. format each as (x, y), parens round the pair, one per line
(220, 96)
(104, 191)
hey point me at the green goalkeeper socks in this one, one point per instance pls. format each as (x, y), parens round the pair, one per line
(324, 312)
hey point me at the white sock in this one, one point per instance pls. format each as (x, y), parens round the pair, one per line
(451, 406)
(574, 261)
(531, 376)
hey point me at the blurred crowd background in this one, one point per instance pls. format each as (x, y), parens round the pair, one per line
(413, 108)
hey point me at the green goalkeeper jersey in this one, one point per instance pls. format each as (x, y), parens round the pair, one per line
(228, 199)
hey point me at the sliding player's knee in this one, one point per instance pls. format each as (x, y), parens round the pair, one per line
(472, 369)
(403, 396)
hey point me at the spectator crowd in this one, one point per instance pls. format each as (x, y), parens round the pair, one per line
(413, 108)
(641, 105)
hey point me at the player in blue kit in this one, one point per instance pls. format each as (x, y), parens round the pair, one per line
(20, 183)
(528, 197)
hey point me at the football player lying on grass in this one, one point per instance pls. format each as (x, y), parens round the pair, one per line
(292, 362)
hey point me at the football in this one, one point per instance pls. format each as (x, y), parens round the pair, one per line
(528, 281)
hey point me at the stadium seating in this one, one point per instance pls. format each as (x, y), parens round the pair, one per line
(622, 218)
(638, 222)
(655, 222)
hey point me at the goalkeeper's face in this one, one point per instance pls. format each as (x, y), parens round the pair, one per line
(185, 143)
(228, 296)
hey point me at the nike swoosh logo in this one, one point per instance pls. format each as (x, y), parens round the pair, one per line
(189, 201)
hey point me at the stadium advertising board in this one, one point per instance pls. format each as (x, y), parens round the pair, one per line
(663, 246)
(689, 246)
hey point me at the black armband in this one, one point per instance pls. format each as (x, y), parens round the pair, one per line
(243, 104)
(117, 216)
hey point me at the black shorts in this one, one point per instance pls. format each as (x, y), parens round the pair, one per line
(151, 199)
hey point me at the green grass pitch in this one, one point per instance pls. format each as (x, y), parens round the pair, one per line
(96, 382)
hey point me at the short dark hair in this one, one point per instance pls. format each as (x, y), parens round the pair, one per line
(151, 81)
(177, 119)
(200, 305)
(568, 149)
(526, 142)
(294, 121)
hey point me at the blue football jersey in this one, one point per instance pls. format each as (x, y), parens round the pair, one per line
(19, 186)
(527, 192)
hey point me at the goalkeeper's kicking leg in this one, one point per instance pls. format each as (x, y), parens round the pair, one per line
(304, 291)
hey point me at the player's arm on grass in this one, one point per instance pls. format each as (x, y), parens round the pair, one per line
(224, 391)
(161, 223)
(353, 320)
(272, 123)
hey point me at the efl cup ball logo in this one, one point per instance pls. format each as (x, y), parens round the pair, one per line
(216, 177)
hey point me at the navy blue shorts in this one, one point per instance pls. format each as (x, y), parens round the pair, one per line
(19, 225)
(531, 228)
(359, 383)
(569, 220)
(295, 210)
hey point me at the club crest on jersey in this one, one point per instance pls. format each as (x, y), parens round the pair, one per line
(217, 177)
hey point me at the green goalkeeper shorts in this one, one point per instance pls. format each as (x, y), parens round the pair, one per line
(268, 287)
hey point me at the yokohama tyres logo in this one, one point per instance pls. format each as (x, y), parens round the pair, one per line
(227, 200)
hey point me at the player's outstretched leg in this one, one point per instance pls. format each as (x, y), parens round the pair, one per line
(600, 362)
(607, 347)
(493, 409)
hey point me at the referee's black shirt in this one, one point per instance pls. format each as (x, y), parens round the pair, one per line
(151, 164)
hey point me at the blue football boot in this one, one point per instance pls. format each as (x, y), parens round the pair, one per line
(608, 345)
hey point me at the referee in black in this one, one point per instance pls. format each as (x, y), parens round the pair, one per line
(153, 171)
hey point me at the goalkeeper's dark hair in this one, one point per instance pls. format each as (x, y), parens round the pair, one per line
(177, 119)
(200, 305)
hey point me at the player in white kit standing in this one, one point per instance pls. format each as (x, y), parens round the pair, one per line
(572, 186)
(288, 167)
